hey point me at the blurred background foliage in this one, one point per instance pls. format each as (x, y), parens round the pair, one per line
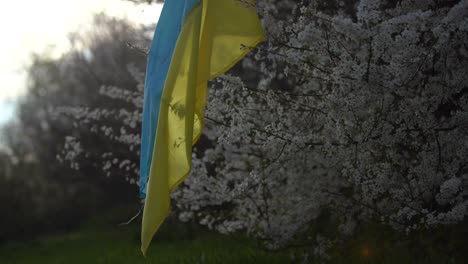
(37, 193)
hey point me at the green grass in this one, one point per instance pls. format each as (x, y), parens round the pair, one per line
(121, 245)
(100, 242)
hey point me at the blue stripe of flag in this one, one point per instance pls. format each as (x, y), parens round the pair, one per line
(159, 58)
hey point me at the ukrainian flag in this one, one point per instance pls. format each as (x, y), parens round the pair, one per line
(195, 41)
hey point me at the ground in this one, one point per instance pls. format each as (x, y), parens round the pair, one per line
(121, 245)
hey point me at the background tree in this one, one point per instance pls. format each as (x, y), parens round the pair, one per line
(48, 195)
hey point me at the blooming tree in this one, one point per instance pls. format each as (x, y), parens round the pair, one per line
(356, 108)
(360, 112)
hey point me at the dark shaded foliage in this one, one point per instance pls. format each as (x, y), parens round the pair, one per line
(38, 193)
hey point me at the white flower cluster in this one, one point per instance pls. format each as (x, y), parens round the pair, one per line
(71, 150)
(120, 124)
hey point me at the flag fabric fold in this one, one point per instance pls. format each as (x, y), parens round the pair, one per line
(212, 35)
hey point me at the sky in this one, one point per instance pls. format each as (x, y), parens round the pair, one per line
(37, 26)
